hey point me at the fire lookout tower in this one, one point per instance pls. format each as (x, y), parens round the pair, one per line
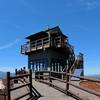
(51, 50)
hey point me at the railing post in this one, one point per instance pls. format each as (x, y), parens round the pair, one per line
(8, 86)
(5, 97)
(62, 76)
(21, 71)
(67, 85)
(50, 80)
(24, 70)
(16, 72)
(30, 79)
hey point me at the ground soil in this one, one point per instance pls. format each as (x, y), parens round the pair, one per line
(2, 97)
(91, 85)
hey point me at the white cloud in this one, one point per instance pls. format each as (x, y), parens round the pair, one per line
(9, 45)
(82, 4)
(90, 4)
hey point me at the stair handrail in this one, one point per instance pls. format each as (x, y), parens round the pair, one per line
(78, 59)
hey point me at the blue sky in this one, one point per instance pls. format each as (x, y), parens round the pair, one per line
(78, 19)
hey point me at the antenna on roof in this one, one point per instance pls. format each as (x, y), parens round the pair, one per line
(47, 27)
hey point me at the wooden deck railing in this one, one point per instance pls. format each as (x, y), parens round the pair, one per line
(20, 76)
(68, 83)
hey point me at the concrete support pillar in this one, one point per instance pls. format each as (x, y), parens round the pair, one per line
(55, 67)
(58, 67)
(36, 67)
(52, 67)
(49, 64)
(39, 66)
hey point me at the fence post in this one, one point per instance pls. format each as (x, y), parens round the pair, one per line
(8, 86)
(16, 72)
(50, 80)
(24, 70)
(30, 79)
(62, 76)
(5, 97)
(67, 85)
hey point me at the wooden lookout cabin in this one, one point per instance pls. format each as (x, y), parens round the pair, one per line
(50, 50)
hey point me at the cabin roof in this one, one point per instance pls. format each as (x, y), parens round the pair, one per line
(44, 33)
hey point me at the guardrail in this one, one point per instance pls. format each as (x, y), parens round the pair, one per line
(20, 76)
(68, 83)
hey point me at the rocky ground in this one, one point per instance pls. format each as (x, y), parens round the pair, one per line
(2, 97)
(91, 85)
